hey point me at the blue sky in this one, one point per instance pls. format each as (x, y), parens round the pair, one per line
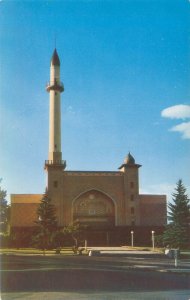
(126, 70)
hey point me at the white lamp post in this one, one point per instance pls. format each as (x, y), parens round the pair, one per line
(85, 244)
(132, 238)
(153, 232)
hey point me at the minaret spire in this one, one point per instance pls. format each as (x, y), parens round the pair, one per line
(55, 59)
(55, 88)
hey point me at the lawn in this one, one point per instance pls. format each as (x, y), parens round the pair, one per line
(68, 251)
(64, 251)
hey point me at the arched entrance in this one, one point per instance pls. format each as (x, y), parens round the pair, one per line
(95, 209)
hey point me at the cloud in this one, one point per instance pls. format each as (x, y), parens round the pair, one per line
(162, 189)
(180, 111)
(183, 128)
(159, 189)
(70, 110)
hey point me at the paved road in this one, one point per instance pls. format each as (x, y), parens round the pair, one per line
(83, 277)
(99, 295)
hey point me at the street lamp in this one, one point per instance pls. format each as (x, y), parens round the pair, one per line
(132, 240)
(153, 232)
(85, 245)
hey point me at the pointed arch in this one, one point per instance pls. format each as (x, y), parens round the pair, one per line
(96, 203)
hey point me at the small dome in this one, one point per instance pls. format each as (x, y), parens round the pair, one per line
(55, 59)
(129, 159)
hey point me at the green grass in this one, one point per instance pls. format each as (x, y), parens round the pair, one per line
(64, 251)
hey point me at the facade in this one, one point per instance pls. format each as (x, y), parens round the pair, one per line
(108, 202)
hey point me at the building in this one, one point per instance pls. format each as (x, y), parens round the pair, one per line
(107, 201)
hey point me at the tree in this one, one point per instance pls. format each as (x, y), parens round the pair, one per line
(177, 233)
(47, 223)
(76, 231)
(4, 212)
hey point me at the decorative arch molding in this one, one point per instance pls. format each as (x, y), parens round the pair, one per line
(95, 190)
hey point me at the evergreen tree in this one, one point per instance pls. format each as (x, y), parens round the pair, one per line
(177, 233)
(4, 211)
(47, 223)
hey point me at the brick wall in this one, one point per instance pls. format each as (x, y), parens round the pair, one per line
(152, 210)
(23, 209)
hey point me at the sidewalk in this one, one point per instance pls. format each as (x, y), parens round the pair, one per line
(165, 264)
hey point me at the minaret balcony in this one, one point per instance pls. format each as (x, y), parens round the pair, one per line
(55, 86)
(57, 163)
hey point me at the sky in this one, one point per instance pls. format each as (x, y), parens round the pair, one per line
(125, 66)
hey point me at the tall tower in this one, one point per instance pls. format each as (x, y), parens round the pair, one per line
(131, 190)
(55, 88)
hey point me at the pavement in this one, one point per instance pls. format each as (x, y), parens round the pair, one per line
(99, 295)
(115, 274)
(160, 261)
(133, 259)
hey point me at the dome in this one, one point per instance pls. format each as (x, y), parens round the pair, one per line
(129, 159)
(55, 59)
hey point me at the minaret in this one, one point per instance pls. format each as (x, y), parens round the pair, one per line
(131, 190)
(55, 88)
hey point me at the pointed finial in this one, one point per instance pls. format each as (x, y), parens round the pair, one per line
(55, 58)
(55, 39)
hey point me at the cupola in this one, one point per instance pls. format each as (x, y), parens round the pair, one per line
(129, 159)
(129, 162)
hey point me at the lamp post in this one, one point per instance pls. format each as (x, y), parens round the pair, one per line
(132, 238)
(85, 245)
(153, 232)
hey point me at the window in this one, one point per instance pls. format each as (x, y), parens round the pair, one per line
(133, 223)
(132, 197)
(132, 184)
(55, 184)
(132, 210)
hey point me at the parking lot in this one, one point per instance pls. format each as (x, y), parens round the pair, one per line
(108, 276)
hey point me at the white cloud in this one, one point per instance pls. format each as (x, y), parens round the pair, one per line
(70, 109)
(179, 111)
(69, 112)
(163, 189)
(159, 189)
(183, 128)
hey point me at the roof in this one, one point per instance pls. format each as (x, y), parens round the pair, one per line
(129, 160)
(55, 59)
